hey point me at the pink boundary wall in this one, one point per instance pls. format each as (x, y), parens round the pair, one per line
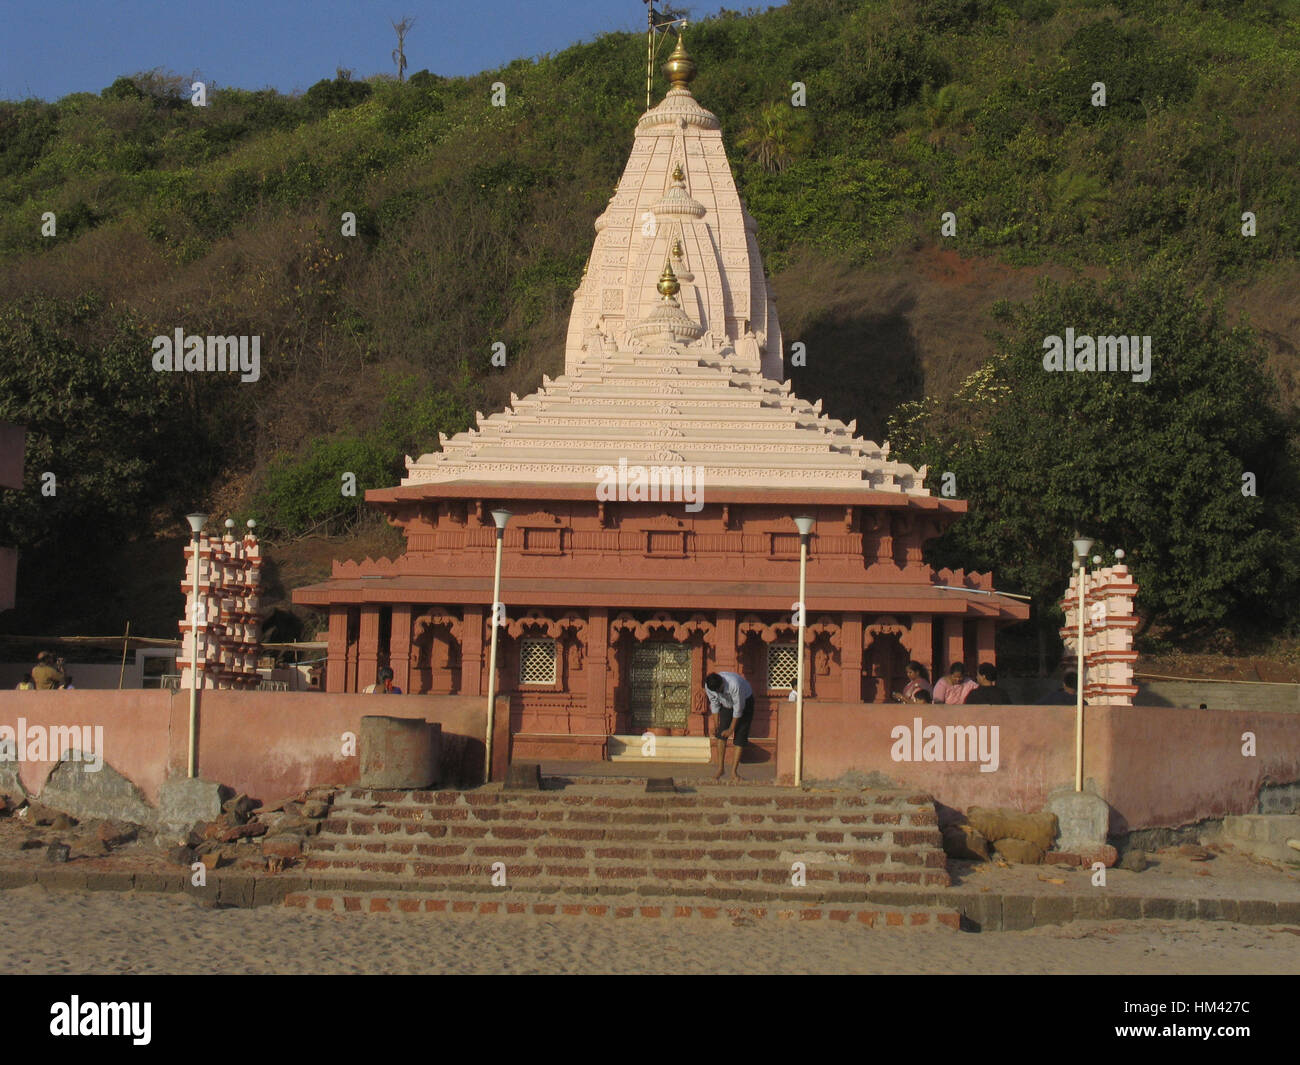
(1156, 766)
(268, 744)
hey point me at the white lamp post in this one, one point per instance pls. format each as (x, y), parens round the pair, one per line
(197, 521)
(805, 525)
(1082, 545)
(500, 517)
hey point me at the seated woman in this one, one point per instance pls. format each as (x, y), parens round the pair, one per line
(918, 680)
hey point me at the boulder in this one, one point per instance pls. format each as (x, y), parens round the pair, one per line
(62, 822)
(181, 855)
(315, 809)
(282, 846)
(1135, 861)
(116, 833)
(58, 852)
(253, 828)
(1000, 823)
(963, 842)
(1019, 851)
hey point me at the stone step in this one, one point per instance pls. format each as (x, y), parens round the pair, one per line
(916, 918)
(710, 797)
(642, 828)
(1264, 835)
(688, 749)
(862, 853)
(537, 870)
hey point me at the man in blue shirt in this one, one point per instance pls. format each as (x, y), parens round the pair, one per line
(731, 699)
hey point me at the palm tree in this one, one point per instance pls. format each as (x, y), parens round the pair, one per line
(776, 138)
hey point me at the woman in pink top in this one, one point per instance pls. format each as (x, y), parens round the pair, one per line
(954, 688)
(918, 679)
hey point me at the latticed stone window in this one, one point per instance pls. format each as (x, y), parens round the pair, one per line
(537, 662)
(782, 666)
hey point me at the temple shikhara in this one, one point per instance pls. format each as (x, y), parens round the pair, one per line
(618, 604)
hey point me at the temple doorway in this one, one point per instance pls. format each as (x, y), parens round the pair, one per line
(659, 695)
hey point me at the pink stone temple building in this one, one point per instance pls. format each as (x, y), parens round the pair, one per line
(616, 608)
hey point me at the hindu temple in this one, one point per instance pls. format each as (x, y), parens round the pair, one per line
(652, 490)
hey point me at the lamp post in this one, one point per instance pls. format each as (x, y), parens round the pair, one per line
(500, 517)
(197, 521)
(1082, 545)
(805, 525)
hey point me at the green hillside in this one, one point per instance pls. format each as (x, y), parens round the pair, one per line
(473, 226)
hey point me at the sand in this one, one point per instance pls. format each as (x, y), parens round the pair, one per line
(43, 932)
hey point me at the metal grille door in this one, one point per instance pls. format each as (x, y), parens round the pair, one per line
(660, 694)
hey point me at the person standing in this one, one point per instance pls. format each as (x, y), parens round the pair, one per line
(731, 699)
(1067, 694)
(988, 693)
(954, 688)
(48, 673)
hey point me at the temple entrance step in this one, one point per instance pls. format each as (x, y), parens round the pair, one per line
(680, 749)
(927, 916)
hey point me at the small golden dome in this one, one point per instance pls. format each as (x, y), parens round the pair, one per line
(680, 68)
(668, 286)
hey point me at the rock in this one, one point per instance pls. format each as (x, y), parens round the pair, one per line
(1001, 823)
(253, 828)
(1061, 858)
(1135, 861)
(241, 805)
(31, 844)
(211, 860)
(38, 814)
(1020, 851)
(58, 852)
(1106, 854)
(115, 833)
(213, 830)
(62, 823)
(1195, 853)
(962, 841)
(315, 809)
(181, 855)
(1082, 819)
(282, 847)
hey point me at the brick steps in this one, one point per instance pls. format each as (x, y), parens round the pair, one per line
(601, 846)
(929, 918)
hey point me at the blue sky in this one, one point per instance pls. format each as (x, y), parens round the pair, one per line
(49, 48)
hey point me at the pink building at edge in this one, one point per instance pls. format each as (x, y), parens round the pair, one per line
(618, 604)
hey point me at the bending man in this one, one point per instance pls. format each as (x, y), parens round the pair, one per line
(732, 700)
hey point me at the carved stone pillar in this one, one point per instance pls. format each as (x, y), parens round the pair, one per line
(595, 663)
(724, 646)
(851, 658)
(472, 680)
(399, 646)
(985, 642)
(954, 648)
(336, 666)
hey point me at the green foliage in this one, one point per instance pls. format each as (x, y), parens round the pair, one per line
(342, 92)
(1155, 468)
(301, 492)
(96, 416)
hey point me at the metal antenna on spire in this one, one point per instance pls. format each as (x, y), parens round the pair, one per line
(652, 27)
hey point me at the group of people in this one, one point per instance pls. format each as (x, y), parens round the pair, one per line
(955, 687)
(46, 675)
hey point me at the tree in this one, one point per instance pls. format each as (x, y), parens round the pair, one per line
(1154, 467)
(777, 138)
(399, 53)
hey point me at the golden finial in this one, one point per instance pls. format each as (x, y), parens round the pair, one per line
(678, 173)
(680, 68)
(668, 286)
(677, 249)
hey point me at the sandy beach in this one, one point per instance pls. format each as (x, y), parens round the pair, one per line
(44, 932)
